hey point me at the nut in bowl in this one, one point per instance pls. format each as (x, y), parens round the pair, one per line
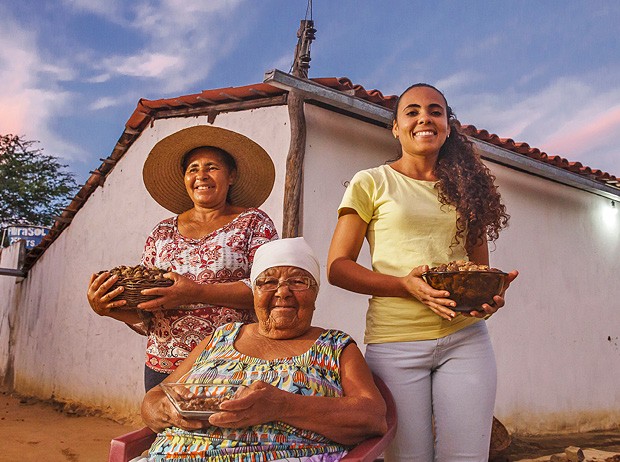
(470, 285)
(136, 278)
(198, 400)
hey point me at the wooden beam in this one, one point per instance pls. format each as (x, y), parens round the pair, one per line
(293, 183)
(277, 100)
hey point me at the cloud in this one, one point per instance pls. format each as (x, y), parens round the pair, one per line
(579, 135)
(182, 41)
(56, 72)
(458, 81)
(29, 96)
(282, 63)
(106, 102)
(180, 16)
(485, 45)
(100, 78)
(570, 117)
(145, 65)
(177, 45)
(112, 10)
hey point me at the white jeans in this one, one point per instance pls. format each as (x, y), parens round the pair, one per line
(451, 380)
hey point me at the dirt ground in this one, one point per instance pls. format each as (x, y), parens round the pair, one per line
(605, 445)
(47, 432)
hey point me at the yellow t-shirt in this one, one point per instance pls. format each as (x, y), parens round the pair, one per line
(407, 227)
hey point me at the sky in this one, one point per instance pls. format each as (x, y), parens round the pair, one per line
(542, 72)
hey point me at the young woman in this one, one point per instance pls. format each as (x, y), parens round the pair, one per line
(436, 203)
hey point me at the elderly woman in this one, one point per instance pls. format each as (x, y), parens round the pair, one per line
(309, 391)
(214, 179)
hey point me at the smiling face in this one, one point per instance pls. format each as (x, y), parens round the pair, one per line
(207, 178)
(421, 123)
(284, 314)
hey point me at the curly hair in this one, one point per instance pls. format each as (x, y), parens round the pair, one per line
(466, 183)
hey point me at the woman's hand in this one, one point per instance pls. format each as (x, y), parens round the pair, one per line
(498, 300)
(183, 291)
(436, 300)
(158, 413)
(99, 296)
(253, 405)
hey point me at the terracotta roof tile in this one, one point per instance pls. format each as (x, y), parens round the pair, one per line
(344, 84)
(535, 153)
(148, 110)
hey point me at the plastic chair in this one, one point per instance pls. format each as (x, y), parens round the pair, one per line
(130, 445)
(369, 450)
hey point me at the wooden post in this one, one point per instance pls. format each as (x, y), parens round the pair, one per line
(293, 183)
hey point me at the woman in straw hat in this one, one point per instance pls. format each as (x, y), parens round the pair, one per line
(214, 179)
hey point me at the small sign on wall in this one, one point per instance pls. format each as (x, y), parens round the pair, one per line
(31, 234)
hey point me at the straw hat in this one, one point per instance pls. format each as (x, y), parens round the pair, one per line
(163, 174)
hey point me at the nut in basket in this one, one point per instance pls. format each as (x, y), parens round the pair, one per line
(135, 279)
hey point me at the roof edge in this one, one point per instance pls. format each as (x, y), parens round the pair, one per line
(274, 93)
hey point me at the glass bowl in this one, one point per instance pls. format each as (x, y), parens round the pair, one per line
(469, 289)
(198, 400)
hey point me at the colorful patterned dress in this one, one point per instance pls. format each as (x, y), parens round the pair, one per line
(315, 372)
(225, 255)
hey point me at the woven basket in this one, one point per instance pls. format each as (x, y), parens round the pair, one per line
(135, 279)
(500, 438)
(133, 287)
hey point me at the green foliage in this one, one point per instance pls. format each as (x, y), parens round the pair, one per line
(34, 187)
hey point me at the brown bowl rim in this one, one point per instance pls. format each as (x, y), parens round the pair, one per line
(460, 272)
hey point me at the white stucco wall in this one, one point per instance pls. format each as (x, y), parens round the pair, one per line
(9, 292)
(63, 349)
(556, 341)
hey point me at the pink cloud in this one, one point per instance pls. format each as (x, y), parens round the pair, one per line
(577, 137)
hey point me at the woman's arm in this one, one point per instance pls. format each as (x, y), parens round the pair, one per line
(236, 294)
(184, 291)
(480, 254)
(157, 411)
(357, 415)
(101, 299)
(344, 271)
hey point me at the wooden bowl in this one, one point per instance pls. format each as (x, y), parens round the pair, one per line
(469, 289)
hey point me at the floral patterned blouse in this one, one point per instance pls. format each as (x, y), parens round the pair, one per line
(225, 255)
(315, 372)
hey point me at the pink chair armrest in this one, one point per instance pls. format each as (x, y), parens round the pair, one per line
(369, 450)
(126, 447)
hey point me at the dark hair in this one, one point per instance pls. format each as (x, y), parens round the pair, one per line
(466, 183)
(228, 160)
(451, 114)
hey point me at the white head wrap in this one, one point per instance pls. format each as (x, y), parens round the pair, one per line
(293, 251)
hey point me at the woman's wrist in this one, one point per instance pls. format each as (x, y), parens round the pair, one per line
(100, 311)
(403, 289)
